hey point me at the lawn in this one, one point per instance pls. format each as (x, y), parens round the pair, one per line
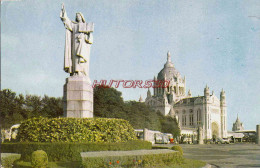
(189, 163)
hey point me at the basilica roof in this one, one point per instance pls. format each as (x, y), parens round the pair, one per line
(169, 70)
(188, 100)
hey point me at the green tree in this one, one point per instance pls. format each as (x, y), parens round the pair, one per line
(16, 108)
(11, 108)
(33, 106)
(109, 103)
(169, 125)
(142, 116)
(51, 106)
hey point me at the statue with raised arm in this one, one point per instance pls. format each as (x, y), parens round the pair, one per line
(77, 91)
(77, 44)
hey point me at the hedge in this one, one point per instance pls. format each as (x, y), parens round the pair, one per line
(142, 158)
(70, 151)
(75, 130)
(178, 148)
(160, 147)
(7, 159)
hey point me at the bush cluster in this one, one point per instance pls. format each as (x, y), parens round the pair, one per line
(178, 148)
(7, 159)
(75, 130)
(147, 160)
(70, 151)
(39, 159)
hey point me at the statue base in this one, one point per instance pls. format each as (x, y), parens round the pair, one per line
(78, 97)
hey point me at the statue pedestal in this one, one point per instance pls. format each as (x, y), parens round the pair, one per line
(78, 97)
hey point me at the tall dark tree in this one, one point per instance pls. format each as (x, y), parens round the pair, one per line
(11, 108)
(33, 105)
(109, 103)
(142, 116)
(169, 125)
(51, 106)
(14, 109)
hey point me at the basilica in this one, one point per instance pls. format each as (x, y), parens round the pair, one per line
(207, 112)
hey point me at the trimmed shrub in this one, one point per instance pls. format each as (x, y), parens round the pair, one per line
(148, 158)
(69, 151)
(7, 159)
(75, 130)
(39, 159)
(178, 148)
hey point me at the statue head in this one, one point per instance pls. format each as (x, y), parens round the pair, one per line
(80, 17)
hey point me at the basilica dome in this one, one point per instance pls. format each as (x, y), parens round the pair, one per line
(169, 70)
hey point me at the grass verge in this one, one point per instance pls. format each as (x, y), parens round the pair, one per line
(188, 163)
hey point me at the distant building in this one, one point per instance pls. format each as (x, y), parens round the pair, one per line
(207, 111)
(238, 125)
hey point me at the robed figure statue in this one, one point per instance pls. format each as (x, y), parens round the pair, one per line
(77, 46)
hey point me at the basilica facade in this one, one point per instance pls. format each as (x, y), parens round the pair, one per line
(207, 112)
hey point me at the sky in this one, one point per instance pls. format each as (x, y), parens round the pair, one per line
(213, 42)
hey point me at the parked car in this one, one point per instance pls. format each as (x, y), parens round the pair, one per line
(226, 140)
(210, 141)
(10, 134)
(14, 131)
(222, 141)
(187, 140)
(161, 138)
(218, 141)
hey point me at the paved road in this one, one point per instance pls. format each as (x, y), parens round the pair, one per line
(225, 155)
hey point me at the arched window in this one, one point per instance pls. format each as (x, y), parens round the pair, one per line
(183, 120)
(191, 117)
(198, 117)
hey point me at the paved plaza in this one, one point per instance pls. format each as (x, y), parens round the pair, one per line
(224, 155)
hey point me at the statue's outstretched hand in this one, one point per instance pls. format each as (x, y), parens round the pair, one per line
(62, 9)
